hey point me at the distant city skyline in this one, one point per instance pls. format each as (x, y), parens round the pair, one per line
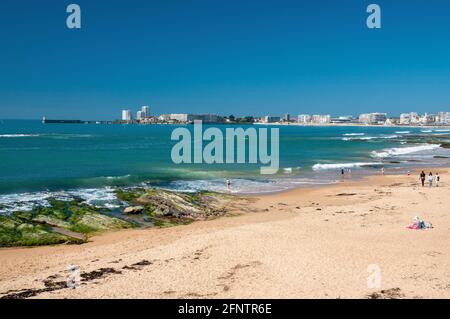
(236, 57)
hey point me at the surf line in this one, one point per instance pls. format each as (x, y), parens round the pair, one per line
(237, 146)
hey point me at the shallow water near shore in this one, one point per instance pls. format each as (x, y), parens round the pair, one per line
(40, 161)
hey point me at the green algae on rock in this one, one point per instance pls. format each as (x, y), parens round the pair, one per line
(55, 224)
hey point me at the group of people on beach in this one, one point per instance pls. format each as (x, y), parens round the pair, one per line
(431, 179)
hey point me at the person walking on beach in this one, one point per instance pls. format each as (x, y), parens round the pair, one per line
(430, 179)
(382, 171)
(342, 173)
(228, 184)
(438, 179)
(422, 178)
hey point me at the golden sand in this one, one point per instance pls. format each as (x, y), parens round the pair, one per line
(305, 243)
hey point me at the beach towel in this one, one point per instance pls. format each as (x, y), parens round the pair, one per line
(419, 224)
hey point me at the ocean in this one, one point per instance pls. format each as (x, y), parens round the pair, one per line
(41, 161)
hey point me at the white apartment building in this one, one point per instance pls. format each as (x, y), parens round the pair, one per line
(164, 117)
(145, 111)
(182, 117)
(373, 118)
(427, 119)
(140, 115)
(405, 119)
(126, 115)
(409, 118)
(321, 119)
(304, 118)
(443, 118)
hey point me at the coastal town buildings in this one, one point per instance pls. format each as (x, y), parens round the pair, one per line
(271, 119)
(373, 118)
(427, 119)
(409, 118)
(304, 118)
(321, 119)
(342, 119)
(412, 118)
(443, 118)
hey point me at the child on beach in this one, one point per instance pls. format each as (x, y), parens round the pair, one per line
(228, 182)
(438, 179)
(430, 179)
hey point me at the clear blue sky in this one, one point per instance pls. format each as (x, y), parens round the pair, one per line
(223, 56)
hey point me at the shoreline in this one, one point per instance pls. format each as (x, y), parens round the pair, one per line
(341, 230)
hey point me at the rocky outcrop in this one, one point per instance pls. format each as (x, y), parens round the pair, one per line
(74, 221)
(133, 210)
(62, 222)
(202, 205)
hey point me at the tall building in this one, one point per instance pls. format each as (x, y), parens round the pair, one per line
(304, 118)
(126, 115)
(140, 115)
(145, 111)
(443, 118)
(287, 117)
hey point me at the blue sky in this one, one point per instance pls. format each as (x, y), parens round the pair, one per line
(227, 57)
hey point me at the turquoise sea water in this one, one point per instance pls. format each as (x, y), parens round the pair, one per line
(41, 160)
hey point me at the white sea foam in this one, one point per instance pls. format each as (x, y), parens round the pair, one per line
(17, 135)
(318, 167)
(246, 186)
(368, 138)
(354, 134)
(402, 132)
(426, 131)
(391, 152)
(99, 197)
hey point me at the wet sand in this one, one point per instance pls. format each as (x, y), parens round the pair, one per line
(305, 243)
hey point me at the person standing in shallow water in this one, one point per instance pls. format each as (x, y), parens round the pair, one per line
(422, 178)
(342, 173)
(430, 179)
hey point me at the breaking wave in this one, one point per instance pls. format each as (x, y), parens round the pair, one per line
(336, 166)
(404, 150)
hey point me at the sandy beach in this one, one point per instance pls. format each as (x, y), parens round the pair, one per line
(305, 243)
